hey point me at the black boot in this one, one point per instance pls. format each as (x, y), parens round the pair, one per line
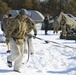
(17, 71)
(9, 64)
(8, 51)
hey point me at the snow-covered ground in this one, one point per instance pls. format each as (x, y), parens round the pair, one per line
(48, 59)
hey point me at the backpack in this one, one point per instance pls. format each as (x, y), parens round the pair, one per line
(20, 30)
(17, 28)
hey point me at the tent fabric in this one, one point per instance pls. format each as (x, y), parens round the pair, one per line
(35, 15)
(69, 21)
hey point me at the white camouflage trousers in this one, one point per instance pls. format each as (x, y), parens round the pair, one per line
(17, 52)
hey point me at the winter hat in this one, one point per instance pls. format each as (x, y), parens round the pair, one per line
(23, 12)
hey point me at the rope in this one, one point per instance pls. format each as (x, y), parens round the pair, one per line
(47, 41)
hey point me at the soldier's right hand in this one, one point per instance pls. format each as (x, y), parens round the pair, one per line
(35, 34)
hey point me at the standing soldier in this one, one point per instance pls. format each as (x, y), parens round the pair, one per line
(63, 27)
(4, 24)
(56, 25)
(7, 42)
(16, 31)
(46, 22)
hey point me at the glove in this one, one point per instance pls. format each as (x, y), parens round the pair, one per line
(35, 34)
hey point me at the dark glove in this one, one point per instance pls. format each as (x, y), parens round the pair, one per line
(35, 34)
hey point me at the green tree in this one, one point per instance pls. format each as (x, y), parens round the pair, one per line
(28, 4)
(18, 4)
(3, 8)
(49, 6)
(53, 7)
(43, 7)
(73, 6)
(35, 4)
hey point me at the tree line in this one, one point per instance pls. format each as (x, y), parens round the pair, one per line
(51, 7)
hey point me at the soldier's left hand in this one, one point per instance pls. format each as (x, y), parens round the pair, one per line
(35, 34)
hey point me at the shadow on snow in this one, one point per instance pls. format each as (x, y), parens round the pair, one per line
(5, 71)
(63, 72)
(74, 58)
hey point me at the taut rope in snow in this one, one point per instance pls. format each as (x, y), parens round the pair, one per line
(47, 41)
